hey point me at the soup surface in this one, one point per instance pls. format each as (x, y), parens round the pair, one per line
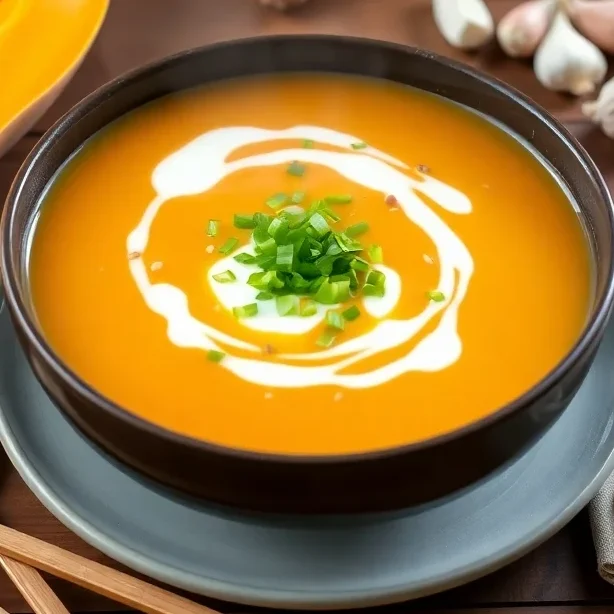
(451, 271)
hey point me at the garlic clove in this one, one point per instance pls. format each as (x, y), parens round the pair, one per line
(566, 61)
(465, 24)
(524, 27)
(594, 19)
(601, 111)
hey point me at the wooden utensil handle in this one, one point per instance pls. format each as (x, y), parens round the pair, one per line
(98, 578)
(33, 587)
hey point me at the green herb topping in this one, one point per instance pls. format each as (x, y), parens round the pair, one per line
(215, 356)
(436, 296)
(212, 228)
(304, 257)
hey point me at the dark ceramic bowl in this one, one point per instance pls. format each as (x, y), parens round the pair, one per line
(385, 480)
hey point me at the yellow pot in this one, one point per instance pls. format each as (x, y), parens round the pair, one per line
(42, 43)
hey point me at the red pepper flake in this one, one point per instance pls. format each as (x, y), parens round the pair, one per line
(423, 168)
(134, 255)
(391, 199)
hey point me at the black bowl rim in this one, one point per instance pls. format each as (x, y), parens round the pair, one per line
(588, 336)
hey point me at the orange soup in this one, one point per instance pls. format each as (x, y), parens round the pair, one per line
(309, 264)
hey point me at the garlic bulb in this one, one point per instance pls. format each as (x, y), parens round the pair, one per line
(466, 24)
(565, 61)
(594, 19)
(601, 111)
(282, 5)
(523, 28)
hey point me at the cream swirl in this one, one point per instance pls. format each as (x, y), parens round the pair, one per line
(201, 164)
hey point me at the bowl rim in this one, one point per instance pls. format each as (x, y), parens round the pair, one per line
(34, 336)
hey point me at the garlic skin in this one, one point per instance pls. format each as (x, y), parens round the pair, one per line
(465, 24)
(594, 19)
(524, 27)
(601, 111)
(565, 61)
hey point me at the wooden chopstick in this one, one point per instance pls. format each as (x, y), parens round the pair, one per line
(33, 587)
(93, 576)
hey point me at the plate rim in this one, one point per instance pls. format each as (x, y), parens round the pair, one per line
(279, 598)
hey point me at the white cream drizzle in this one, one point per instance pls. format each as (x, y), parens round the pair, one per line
(201, 164)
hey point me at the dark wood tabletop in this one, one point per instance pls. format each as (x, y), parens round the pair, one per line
(560, 575)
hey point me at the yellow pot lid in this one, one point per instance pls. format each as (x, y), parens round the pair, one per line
(40, 42)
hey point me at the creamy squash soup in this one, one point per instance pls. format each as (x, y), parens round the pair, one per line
(308, 264)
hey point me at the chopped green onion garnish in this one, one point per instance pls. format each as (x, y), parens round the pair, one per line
(351, 313)
(319, 224)
(298, 283)
(376, 278)
(296, 169)
(264, 296)
(338, 199)
(277, 200)
(295, 222)
(347, 244)
(257, 280)
(326, 339)
(215, 356)
(265, 281)
(267, 247)
(244, 221)
(358, 264)
(370, 290)
(308, 270)
(340, 277)
(334, 320)
(353, 279)
(302, 258)
(376, 254)
(333, 250)
(263, 219)
(264, 261)
(212, 227)
(225, 277)
(359, 145)
(316, 205)
(228, 246)
(298, 197)
(285, 258)
(308, 144)
(330, 293)
(357, 229)
(287, 305)
(244, 258)
(436, 296)
(247, 311)
(325, 264)
(309, 308)
(329, 214)
(278, 229)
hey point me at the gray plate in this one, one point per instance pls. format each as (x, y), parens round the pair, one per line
(307, 563)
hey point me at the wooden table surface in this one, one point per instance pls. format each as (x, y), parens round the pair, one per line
(561, 574)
